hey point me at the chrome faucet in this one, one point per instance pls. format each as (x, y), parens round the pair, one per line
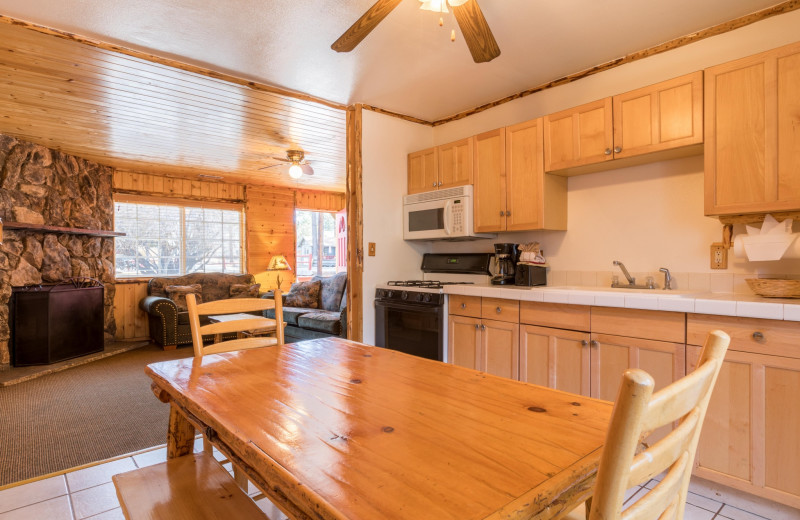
(631, 280)
(667, 278)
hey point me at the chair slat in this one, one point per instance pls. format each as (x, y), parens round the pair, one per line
(661, 497)
(679, 398)
(234, 305)
(665, 452)
(225, 327)
(239, 344)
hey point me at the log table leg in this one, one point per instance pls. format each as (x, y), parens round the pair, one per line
(180, 434)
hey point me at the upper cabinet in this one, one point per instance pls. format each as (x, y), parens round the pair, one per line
(665, 117)
(441, 167)
(752, 115)
(512, 192)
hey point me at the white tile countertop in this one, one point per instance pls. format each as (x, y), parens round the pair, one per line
(722, 304)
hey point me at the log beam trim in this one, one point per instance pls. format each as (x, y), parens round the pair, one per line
(355, 225)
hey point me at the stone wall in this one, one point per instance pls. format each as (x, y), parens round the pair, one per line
(43, 186)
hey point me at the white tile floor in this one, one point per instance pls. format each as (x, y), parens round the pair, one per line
(89, 494)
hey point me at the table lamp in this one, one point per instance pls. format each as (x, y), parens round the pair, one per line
(278, 263)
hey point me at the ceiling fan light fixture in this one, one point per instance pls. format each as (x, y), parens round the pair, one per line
(437, 6)
(456, 3)
(295, 171)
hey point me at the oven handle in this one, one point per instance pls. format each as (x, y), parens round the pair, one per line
(408, 306)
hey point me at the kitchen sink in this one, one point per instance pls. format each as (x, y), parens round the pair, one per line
(622, 290)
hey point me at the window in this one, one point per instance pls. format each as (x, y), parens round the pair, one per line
(316, 238)
(165, 239)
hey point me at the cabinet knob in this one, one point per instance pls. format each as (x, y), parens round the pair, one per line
(463, 305)
(584, 343)
(607, 151)
(499, 310)
(477, 326)
(508, 213)
(483, 327)
(758, 336)
(502, 213)
(439, 184)
(595, 343)
(434, 184)
(617, 149)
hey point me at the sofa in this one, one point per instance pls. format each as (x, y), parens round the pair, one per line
(169, 327)
(329, 318)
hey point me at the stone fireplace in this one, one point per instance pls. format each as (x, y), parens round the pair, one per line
(44, 187)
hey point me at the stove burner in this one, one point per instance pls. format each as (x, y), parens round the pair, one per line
(424, 284)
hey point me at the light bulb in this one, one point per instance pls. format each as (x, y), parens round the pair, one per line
(295, 171)
(456, 3)
(439, 6)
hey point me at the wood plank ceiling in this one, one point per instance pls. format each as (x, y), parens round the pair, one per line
(137, 115)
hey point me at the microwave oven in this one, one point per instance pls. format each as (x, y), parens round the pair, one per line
(440, 215)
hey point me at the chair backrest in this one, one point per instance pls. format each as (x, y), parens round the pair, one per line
(637, 412)
(232, 319)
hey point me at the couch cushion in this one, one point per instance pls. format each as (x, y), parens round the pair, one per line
(177, 293)
(321, 321)
(304, 294)
(290, 314)
(332, 290)
(215, 286)
(243, 290)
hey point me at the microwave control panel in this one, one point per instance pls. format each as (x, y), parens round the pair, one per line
(458, 216)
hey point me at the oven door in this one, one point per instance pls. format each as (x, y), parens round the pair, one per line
(413, 329)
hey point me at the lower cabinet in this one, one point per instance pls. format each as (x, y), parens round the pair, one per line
(488, 345)
(555, 358)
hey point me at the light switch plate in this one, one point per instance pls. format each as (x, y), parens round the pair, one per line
(371, 249)
(719, 256)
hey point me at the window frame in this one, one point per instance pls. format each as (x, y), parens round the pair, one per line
(294, 219)
(182, 203)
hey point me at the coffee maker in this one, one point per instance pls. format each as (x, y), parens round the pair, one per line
(505, 260)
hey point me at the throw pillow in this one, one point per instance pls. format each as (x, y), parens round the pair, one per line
(304, 294)
(243, 290)
(177, 293)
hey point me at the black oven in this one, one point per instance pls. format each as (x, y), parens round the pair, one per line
(410, 322)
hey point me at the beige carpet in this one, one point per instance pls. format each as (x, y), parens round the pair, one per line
(81, 415)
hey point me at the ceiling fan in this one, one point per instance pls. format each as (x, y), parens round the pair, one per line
(471, 21)
(298, 166)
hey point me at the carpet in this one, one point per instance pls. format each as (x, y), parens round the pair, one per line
(81, 415)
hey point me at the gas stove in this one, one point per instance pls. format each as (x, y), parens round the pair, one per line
(426, 292)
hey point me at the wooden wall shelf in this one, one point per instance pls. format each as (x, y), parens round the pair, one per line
(22, 226)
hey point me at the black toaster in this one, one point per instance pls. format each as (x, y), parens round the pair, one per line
(529, 275)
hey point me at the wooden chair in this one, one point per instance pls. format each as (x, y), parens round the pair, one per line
(637, 412)
(243, 327)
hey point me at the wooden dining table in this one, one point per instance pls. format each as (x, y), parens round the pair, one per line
(334, 429)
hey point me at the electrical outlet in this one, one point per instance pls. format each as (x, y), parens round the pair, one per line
(371, 249)
(719, 256)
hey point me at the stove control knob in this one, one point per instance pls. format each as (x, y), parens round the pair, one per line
(380, 293)
(427, 297)
(389, 294)
(404, 295)
(418, 297)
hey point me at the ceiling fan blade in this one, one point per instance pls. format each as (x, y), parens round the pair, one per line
(364, 25)
(307, 169)
(477, 34)
(271, 166)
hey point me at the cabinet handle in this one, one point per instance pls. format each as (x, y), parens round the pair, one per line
(617, 149)
(502, 213)
(508, 213)
(483, 327)
(477, 326)
(434, 184)
(499, 310)
(463, 305)
(595, 343)
(584, 343)
(439, 184)
(607, 151)
(758, 336)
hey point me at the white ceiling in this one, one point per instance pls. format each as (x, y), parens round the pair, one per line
(407, 64)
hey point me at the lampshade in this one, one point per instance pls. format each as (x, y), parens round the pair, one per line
(278, 263)
(295, 171)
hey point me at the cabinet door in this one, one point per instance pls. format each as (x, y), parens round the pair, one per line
(455, 163)
(422, 171)
(525, 176)
(463, 341)
(555, 358)
(749, 437)
(612, 355)
(659, 117)
(578, 136)
(489, 198)
(500, 348)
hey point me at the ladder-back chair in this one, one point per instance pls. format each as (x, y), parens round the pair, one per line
(637, 412)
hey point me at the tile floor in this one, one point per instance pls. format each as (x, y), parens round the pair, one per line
(89, 494)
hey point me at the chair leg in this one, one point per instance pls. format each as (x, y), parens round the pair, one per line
(207, 446)
(588, 505)
(240, 477)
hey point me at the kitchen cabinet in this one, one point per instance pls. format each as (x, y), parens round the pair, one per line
(512, 192)
(423, 174)
(489, 345)
(444, 166)
(666, 117)
(555, 358)
(752, 151)
(749, 437)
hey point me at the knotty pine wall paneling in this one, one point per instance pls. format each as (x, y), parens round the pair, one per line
(131, 320)
(269, 216)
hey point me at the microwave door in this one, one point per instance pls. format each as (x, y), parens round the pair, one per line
(424, 221)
